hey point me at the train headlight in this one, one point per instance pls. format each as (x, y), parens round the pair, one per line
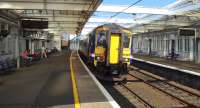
(131, 57)
(98, 58)
(126, 59)
(92, 55)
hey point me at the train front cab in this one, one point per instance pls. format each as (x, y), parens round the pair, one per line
(109, 58)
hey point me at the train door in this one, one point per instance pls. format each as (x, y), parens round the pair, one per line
(114, 48)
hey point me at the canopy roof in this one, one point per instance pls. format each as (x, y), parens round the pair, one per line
(63, 15)
(183, 13)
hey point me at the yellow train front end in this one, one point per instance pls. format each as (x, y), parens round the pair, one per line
(108, 59)
(109, 51)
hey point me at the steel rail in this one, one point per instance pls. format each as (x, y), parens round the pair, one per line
(192, 93)
(143, 101)
(181, 100)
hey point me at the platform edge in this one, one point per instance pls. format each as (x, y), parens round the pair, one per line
(170, 67)
(113, 103)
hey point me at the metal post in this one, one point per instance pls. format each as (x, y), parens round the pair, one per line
(195, 46)
(17, 45)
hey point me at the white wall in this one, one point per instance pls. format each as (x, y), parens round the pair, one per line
(57, 42)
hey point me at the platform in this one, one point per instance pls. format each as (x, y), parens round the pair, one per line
(184, 66)
(48, 83)
(91, 92)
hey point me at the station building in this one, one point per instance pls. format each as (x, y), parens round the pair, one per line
(161, 43)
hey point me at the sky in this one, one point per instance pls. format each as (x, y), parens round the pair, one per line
(144, 3)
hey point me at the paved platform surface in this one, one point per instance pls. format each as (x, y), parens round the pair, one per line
(185, 65)
(90, 94)
(41, 85)
(49, 84)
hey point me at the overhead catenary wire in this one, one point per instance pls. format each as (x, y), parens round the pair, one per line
(138, 1)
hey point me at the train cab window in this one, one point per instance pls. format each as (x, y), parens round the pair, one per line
(126, 41)
(101, 41)
(92, 42)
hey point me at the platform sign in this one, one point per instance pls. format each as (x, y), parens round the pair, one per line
(34, 24)
(186, 32)
(35, 34)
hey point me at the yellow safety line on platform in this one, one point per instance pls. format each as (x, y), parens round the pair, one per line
(74, 85)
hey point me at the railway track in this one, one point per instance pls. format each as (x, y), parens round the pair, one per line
(186, 97)
(140, 101)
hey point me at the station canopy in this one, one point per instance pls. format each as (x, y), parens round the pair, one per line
(62, 15)
(82, 16)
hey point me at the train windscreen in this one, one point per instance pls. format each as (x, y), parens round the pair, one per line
(126, 41)
(101, 41)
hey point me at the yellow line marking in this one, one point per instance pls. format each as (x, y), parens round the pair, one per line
(74, 85)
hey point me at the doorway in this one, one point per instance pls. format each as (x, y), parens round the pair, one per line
(150, 49)
(27, 44)
(173, 47)
(114, 48)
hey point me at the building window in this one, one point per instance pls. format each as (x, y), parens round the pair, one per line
(162, 45)
(158, 44)
(167, 45)
(187, 45)
(180, 45)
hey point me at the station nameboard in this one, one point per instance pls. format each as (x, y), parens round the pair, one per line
(186, 32)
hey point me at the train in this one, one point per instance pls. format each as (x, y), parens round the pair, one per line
(108, 50)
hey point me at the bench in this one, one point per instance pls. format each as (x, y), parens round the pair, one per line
(169, 56)
(25, 61)
(140, 52)
(7, 65)
(153, 53)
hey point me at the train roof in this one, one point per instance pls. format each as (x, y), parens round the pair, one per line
(112, 26)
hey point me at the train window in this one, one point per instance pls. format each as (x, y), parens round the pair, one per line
(91, 43)
(126, 41)
(101, 41)
(180, 45)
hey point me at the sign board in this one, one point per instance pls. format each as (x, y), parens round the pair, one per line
(34, 34)
(186, 32)
(35, 24)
